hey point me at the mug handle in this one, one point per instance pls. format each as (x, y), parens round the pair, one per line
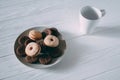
(103, 12)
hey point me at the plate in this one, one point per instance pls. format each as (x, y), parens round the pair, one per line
(37, 65)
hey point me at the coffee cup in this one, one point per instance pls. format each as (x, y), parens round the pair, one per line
(89, 17)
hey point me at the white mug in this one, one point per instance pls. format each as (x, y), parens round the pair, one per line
(89, 16)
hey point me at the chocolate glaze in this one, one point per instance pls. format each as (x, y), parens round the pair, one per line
(54, 32)
(55, 52)
(28, 41)
(43, 35)
(31, 59)
(45, 59)
(20, 51)
(22, 39)
(51, 31)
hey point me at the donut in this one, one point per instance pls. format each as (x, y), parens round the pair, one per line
(28, 41)
(47, 31)
(35, 35)
(22, 39)
(31, 59)
(43, 35)
(55, 32)
(20, 51)
(55, 53)
(40, 42)
(32, 49)
(51, 41)
(51, 31)
(45, 59)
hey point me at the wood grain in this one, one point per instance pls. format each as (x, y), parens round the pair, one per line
(89, 57)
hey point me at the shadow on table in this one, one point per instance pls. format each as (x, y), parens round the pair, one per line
(71, 57)
(74, 49)
(108, 32)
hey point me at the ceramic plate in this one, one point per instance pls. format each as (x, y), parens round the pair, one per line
(37, 65)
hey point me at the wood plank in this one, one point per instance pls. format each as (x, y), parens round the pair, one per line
(93, 68)
(82, 56)
(8, 3)
(80, 69)
(89, 57)
(110, 75)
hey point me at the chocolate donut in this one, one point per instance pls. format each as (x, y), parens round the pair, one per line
(43, 46)
(55, 32)
(44, 34)
(31, 59)
(28, 41)
(55, 52)
(52, 31)
(22, 39)
(20, 51)
(45, 59)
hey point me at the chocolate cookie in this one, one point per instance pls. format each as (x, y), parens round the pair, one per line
(47, 31)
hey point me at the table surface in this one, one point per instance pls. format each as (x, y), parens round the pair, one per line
(89, 57)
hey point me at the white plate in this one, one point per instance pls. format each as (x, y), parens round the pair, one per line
(38, 66)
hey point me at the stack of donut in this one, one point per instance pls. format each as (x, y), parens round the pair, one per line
(40, 47)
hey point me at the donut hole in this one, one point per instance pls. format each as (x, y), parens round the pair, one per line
(51, 40)
(31, 48)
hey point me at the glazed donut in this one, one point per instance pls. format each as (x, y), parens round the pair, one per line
(32, 49)
(35, 35)
(51, 41)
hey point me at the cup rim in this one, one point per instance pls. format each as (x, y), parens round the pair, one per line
(92, 8)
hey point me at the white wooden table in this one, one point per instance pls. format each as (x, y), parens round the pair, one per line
(90, 57)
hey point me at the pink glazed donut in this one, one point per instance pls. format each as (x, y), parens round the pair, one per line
(51, 41)
(32, 49)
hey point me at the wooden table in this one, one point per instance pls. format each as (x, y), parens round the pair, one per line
(89, 57)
